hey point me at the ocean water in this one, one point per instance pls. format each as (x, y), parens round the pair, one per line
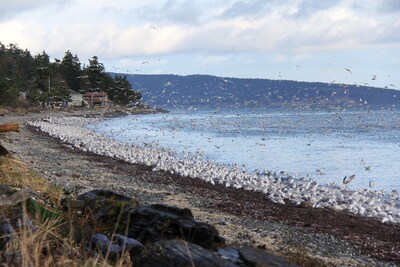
(325, 146)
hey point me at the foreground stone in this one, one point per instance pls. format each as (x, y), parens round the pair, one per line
(113, 225)
(111, 212)
(171, 253)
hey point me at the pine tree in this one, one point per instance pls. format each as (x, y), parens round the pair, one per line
(71, 71)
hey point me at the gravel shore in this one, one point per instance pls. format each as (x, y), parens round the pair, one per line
(305, 235)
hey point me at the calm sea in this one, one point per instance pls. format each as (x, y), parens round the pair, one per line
(323, 145)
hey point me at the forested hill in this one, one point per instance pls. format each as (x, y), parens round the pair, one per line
(204, 90)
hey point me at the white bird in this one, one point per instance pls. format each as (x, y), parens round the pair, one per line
(347, 180)
(366, 167)
(279, 187)
(348, 70)
(309, 144)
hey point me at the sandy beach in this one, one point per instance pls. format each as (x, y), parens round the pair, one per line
(302, 234)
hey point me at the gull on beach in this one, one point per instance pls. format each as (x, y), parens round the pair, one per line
(279, 187)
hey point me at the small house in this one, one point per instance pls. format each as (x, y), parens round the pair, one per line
(76, 99)
(97, 99)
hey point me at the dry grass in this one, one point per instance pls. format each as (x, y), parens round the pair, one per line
(46, 245)
(17, 174)
(42, 243)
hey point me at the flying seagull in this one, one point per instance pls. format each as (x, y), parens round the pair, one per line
(309, 144)
(348, 179)
(348, 70)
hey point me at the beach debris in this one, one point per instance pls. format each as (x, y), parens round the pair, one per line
(10, 127)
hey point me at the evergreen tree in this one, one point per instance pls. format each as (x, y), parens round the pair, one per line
(42, 80)
(96, 74)
(70, 69)
(45, 82)
(122, 92)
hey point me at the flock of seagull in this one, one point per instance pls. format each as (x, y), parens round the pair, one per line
(278, 187)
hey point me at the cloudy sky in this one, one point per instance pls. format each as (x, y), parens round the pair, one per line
(305, 40)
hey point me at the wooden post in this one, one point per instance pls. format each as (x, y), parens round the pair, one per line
(9, 127)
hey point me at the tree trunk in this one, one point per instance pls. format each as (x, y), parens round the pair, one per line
(9, 127)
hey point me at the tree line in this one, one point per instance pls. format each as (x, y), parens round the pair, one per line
(27, 79)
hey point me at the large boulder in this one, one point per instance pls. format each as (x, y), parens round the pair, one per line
(176, 253)
(107, 211)
(158, 222)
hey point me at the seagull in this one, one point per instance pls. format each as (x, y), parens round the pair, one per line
(347, 180)
(309, 144)
(373, 77)
(366, 167)
(348, 70)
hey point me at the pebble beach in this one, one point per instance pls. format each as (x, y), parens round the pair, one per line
(330, 235)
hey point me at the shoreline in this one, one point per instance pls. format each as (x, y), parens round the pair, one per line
(244, 217)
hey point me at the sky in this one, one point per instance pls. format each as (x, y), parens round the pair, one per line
(340, 41)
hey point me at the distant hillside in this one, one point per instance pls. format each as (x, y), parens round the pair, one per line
(210, 91)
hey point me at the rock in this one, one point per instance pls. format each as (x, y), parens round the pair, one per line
(6, 232)
(104, 207)
(107, 211)
(5, 190)
(127, 243)
(101, 243)
(174, 253)
(11, 259)
(113, 250)
(157, 222)
(95, 198)
(231, 254)
(3, 151)
(259, 258)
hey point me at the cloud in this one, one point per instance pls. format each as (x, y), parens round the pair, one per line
(310, 7)
(389, 6)
(9, 9)
(172, 12)
(214, 60)
(118, 29)
(246, 8)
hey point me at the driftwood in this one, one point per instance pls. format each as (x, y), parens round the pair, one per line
(9, 127)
